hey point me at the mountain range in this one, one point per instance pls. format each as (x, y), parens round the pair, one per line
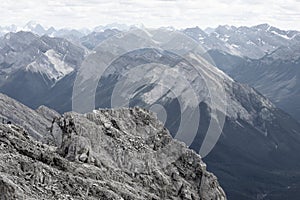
(238, 51)
(256, 154)
(70, 33)
(261, 56)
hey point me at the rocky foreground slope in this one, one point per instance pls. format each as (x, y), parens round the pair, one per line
(107, 154)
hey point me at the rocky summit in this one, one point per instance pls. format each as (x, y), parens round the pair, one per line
(106, 154)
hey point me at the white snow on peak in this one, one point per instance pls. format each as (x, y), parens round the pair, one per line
(283, 36)
(233, 49)
(201, 37)
(249, 42)
(224, 38)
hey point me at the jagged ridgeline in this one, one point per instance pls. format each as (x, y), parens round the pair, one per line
(106, 154)
(256, 156)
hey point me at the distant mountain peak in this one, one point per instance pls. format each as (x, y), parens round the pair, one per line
(31, 24)
(264, 26)
(34, 27)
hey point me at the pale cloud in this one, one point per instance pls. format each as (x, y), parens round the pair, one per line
(89, 13)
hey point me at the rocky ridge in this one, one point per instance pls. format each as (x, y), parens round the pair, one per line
(107, 154)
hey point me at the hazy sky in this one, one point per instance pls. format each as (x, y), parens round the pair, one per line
(186, 13)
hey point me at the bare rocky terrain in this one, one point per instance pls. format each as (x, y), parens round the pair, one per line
(106, 154)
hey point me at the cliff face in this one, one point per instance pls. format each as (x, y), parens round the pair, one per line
(107, 154)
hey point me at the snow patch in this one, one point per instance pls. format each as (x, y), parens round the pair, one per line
(249, 42)
(233, 49)
(280, 35)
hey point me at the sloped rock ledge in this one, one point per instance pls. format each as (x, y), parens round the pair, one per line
(107, 154)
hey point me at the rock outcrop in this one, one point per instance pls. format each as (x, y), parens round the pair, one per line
(107, 154)
(35, 122)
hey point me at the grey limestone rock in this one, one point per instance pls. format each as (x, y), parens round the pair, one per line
(107, 154)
